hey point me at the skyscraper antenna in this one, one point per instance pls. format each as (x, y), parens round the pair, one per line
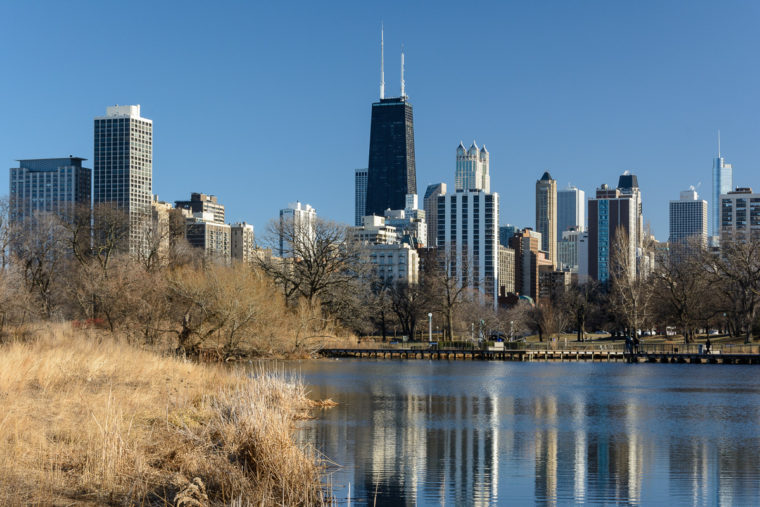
(382, 64)
(403, 93)
(718, 143)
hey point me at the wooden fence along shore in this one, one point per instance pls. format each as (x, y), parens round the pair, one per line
(647, 353)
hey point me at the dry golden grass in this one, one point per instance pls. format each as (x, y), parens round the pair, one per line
(90, 421)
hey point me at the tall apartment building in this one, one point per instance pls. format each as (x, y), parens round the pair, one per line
(430, 203)
(506, 271)
(688, 218)
(739, 215)
(204, 232)
(160, 232)
(609, 212)
(48, 185)
(468, 226)
(553, 284)
(567, 250)
(546, 215)
(391, 169)
(396, 263)
(297, 224)
(360, 195)
(123, 168)
(203, 203)
(722, 183)
(472, 169)
(242, 246)
(571, 210)
(628, 184)
(529, 260)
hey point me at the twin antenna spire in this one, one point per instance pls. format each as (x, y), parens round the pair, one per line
(382, 67)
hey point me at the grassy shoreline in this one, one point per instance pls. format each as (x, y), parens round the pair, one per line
(90, 420)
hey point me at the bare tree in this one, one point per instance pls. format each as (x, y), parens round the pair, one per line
(110, 232)
(630, 291)
(223, 307)
(446, 290)
(316, 260)
(7, 233)
(409, 302)
(682, 293)
(736, 274)
(40, 250)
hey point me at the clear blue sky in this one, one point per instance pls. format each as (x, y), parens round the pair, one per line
(263, 103)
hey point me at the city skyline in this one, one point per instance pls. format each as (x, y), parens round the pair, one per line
(660, 123)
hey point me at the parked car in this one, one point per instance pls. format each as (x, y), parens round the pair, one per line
(497, 336)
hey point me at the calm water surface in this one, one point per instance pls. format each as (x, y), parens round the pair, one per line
(493, 433)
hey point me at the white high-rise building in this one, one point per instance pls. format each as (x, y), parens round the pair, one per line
(123, 167)
(722, 183)
(360, 195)
(297, 223)
(688, 218)
(468, 231)
(571, 210)
(472, 169)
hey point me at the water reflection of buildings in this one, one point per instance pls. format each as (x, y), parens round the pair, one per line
(403, 443)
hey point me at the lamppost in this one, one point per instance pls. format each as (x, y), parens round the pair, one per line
(430, 327)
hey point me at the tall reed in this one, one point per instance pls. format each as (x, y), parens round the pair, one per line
(92, 420)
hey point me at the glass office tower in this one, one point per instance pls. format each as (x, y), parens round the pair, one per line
(391, 171)
(722, 183)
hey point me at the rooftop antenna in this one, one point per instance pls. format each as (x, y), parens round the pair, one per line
(382, 64)
(403, 93)
(718, 143)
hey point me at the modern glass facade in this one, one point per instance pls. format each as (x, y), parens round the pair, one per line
(430, 202)
(48, 185)
(360, 195)
(391, 170)
(571, 210)
(722, 183)
(123, 175)
(740, 216)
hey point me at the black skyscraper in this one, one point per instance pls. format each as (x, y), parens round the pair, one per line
(392, 172)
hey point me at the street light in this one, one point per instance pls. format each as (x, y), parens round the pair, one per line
(430, 327)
